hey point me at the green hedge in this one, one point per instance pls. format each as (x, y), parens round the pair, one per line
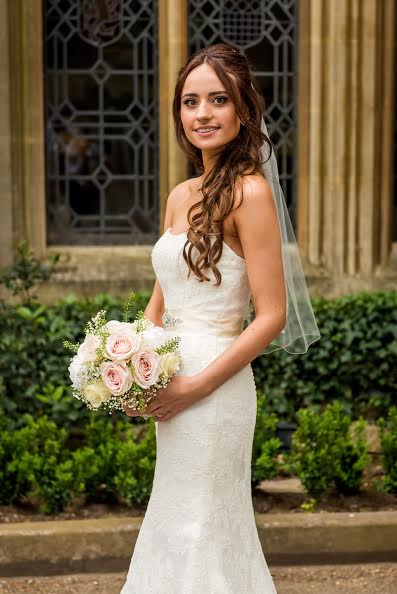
(388, 438)
(49, 465)
(353, 362)
(326, 453)
(39, 463)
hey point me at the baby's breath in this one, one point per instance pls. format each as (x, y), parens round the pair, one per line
(90, 372)
(77, 394)
(96, 323)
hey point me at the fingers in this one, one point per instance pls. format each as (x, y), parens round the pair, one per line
(131, 412)
(152, 407)
(166, 417)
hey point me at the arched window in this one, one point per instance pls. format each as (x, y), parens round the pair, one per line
(101, 88)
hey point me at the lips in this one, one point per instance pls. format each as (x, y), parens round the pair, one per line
(206, 130)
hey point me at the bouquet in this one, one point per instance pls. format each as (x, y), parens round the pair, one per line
(121, 363)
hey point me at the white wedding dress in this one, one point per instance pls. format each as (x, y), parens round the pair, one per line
(199, 535)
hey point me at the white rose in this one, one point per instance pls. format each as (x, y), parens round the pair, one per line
(75, 374)
(170, 363)
(96, 394)
(116, 326)
(87, 350)
(154, 337)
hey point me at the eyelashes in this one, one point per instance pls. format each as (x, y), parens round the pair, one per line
(218, 100)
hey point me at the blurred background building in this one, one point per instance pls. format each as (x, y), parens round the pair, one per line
(88, 147)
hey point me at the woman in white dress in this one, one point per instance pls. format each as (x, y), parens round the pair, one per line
(221, 246)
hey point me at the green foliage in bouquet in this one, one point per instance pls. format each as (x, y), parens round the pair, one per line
(326, 452)
(354, 361)
(265, 445)
(388, 439)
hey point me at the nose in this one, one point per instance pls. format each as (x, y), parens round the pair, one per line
(203, 111)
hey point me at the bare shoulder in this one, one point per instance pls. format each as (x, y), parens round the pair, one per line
(255, 187)
(178, 191)
(255, 198)
(184, 190)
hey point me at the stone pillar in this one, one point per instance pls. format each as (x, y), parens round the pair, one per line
(172, 56)
(346, 53)
(6, 219)
(27, 122)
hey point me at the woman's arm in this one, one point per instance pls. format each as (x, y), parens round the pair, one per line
(259, 233)
(155, 307)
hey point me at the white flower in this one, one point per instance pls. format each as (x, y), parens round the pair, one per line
(154, 337)
(75, 373)
(87, 349)
(147, 323)
(96, 394)
(116, 326)
(170, 363)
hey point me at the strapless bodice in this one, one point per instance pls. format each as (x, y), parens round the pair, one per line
(192, 305)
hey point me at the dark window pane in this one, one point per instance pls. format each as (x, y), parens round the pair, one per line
(101, 83)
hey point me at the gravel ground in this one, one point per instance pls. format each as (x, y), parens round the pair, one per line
(325, 579)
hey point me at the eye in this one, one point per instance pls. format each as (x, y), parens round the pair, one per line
(220, 100)
(189, 102)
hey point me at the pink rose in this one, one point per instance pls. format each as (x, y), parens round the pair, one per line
(116, 377)
(87, 350)
(122, 344)
(146, 364)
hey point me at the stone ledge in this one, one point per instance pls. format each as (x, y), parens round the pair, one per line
(105, 545)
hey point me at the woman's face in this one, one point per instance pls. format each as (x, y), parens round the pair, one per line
(208, 115)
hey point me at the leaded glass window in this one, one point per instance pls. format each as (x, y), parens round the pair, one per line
(266, 30)
(101, 97)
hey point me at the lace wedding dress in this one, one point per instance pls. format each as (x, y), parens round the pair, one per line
(198, 535)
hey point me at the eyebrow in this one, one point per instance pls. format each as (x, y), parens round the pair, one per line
(210, 94)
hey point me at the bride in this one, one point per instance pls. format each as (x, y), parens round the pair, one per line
(222, 246)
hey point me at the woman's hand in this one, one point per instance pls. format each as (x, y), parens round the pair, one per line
(181, 392)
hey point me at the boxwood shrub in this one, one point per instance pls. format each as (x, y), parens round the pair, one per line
(354, 361)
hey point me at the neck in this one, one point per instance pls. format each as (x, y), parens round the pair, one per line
(209, 161)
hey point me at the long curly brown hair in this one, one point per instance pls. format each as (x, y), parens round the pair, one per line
(240, 157)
